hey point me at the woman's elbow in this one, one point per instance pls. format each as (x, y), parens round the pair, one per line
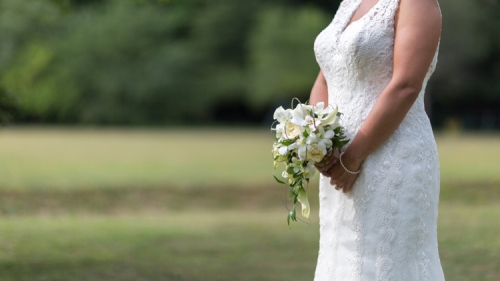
(408, 87)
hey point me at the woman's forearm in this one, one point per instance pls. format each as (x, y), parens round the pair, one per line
(319, 92)
(385, 117)
(417, 32)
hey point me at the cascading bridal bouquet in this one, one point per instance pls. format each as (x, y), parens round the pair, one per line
(304, 135)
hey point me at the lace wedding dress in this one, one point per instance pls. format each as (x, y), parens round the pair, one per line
(385, 227)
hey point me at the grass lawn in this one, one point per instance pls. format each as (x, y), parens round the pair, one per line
(96, 158)
(37, 158)
(88, 204)
(212, 245)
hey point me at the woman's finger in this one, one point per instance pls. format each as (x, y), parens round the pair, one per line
(328, 157)
(334, 182)
(330, 165)
(324, 167)
(323, 164)
(350, 180)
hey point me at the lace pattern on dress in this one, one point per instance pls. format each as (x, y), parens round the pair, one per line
(357, 62)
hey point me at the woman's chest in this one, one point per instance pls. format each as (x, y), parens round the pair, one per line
(367, 41)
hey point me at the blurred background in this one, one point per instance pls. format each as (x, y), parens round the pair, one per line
(135, 140)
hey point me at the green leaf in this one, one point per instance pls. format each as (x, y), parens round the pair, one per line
(339, 142)
(306, 134)
(323, 162)
(287, 142)
(295, 184)
(279, 181)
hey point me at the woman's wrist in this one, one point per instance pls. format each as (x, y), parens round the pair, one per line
(354, 172)
(352, 160)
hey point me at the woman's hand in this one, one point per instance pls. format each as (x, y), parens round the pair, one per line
(327, 163)
(342, 179)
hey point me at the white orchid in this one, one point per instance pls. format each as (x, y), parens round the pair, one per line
(280, 128)
(321, 110)
(309, 170)
(312, 123)
(282, 115)
(312, 138)
(325, 137)
(282, 150)
(300, 146)
(310, 148)
(301, 111)
(279, 156)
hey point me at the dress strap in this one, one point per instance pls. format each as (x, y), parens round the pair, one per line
(344, 14)
(386, 12)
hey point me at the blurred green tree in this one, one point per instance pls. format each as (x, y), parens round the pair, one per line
(466, 85)
(21, 25)
(124, 63)
(8, 107)
(174, 61)
(283, 65)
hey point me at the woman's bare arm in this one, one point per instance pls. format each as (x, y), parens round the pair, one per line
(417, 32)
(319, 92)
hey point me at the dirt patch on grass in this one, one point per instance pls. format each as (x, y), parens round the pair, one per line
(177, 198)
(470, 192)
(135, 199)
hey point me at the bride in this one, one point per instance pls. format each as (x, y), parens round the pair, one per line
(379, 197)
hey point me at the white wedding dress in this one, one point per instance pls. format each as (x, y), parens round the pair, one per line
(385, 228)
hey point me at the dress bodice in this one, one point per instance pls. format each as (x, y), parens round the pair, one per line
(357, 59)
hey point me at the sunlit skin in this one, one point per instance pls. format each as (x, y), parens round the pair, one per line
(417, 32)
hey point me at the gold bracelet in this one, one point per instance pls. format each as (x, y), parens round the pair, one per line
(350, 172)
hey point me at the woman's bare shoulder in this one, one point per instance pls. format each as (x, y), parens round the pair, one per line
(420, 10)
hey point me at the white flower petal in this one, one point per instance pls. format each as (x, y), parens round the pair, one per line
(298, 121)
(311, 139)
(329, 134)
(322, 147)
(283, 150)
(331, 120)
(302, 152)
(320, 106)
(277, 112)
(302, 198)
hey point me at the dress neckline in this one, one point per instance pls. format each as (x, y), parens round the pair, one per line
(349, 23)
